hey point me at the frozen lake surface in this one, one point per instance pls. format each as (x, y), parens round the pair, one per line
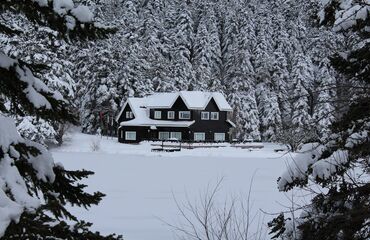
(140, 184)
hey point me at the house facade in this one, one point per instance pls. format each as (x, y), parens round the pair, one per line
(186, 115)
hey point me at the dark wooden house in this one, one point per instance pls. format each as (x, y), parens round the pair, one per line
(186, 115)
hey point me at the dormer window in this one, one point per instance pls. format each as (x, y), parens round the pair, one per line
(214, 116)
(205, 115)
(157, 114)
(171, 115)
(129, 115)
(184, 114)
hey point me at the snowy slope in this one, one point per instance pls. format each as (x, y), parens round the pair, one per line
(139, 183)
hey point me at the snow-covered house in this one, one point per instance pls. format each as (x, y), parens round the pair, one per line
(185, 115)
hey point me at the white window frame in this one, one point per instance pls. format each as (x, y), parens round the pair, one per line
(171, 114)
(215, 114)
(129, 114)
(184, 112)
(206, 117)
(157, 114)
(130, 138)
(217, 137)
(163, 133)
(197, 134)
(179, 137)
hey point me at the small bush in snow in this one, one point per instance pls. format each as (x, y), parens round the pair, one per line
(95, 144)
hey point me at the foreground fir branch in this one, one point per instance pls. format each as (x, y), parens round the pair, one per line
(341, 165)
(35, 191)
(72, 21)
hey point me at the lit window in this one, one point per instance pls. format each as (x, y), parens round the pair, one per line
(214, 115)
(219, 137)
(157, 114)
(176, 135)
(163, 135)
(130, 136)
(129, 114)
(199, 136)
(205, 115)
(171, 115)
(184, 114)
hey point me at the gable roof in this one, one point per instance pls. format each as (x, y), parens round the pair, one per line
(194, 100)
(140, 111)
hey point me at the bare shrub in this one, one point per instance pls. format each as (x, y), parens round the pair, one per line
(95, 144)
(210, 219)
(293, 137)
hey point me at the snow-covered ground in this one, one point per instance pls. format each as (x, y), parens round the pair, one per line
(140, 184)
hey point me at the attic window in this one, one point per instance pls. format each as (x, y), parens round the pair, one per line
(157, 114)
(214, 116)
(205, 116)
(129, 115)
(171, 115)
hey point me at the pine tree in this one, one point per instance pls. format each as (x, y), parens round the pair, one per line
(42, 47)
(35, 190)
(154, 46)
(215, 52)
(202, 56)
(339, 166)
(240, 76)
(270, 116)
(324, 112)
(182, 49)
(159, 47)
(303, 77)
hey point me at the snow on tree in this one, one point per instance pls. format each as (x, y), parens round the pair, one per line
(303, 77)
(35, 190)
(270, 116)
(215, 52)
(202, 56)
(184, 45)
(154, 46)
(182, 36)
(324, 112)
(32, 199)
(37, 130)
(339, 166)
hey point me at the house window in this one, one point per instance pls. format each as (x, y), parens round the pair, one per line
(214, 115)
(129, 114)
(171, 115)
(184, 114)
(205, 115)
(176, 135)
(199, 136)
(163, 135)
(130, 136)
(219, 137)
(122, 134)
(157, 114)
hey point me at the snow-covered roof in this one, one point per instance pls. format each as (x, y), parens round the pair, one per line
(231, 123)
(156, 123)
(194, 100)
(141, 114)
(161, 100)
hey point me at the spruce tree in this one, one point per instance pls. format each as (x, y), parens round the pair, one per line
(35, 191)
(202, 56)
(339, 165)
(182, 35)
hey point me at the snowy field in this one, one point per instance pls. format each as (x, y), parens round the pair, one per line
(140, 184)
